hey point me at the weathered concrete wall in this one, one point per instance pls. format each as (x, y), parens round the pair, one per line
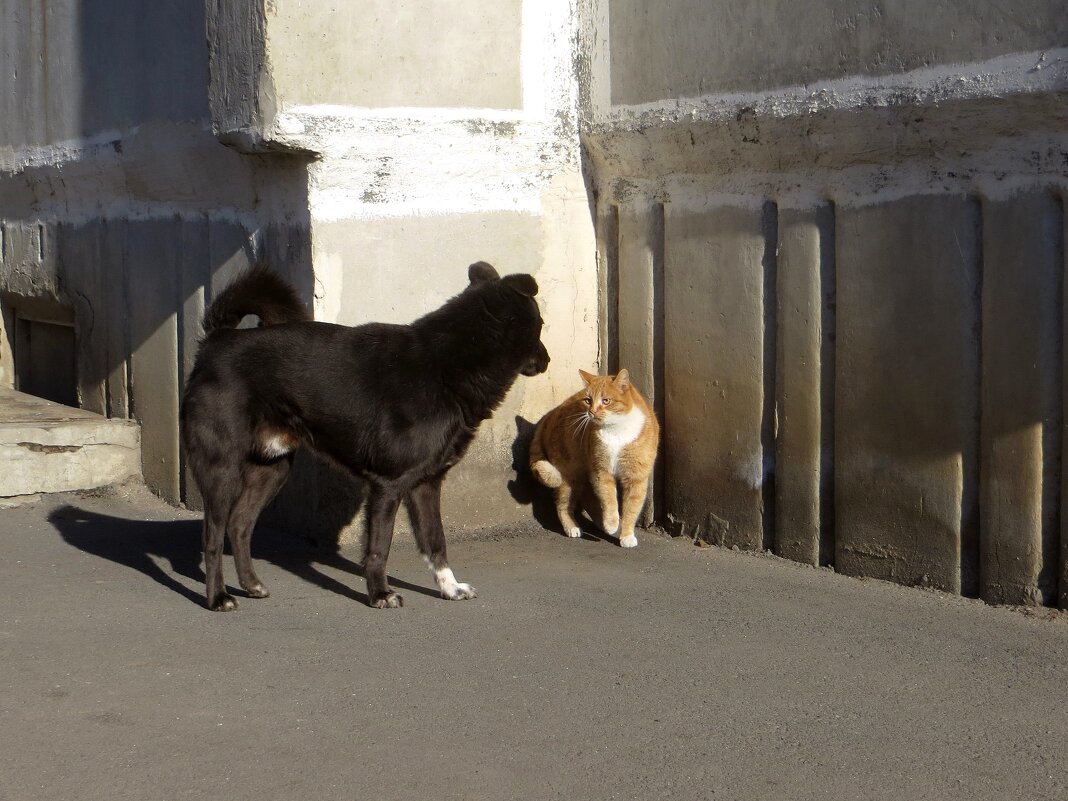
(882, 391)
(444, 138)
(120, 208)
(690, 48)
(439, 138)
(383, 54)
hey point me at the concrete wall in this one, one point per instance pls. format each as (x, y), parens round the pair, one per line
(121, 211)
(853, 245)
(443, 137)
(373, 151)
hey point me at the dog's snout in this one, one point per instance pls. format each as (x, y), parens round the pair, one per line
(538, 363)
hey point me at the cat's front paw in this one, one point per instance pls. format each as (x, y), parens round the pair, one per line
(573, 532)
(610, 524)
(630, 541)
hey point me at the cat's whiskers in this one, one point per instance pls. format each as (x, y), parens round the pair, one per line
(579, 423)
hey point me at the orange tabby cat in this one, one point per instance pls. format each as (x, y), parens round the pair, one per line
(600, 435)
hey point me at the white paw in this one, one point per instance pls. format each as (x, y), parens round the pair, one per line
(610, 525)
(574, 531)
(451, 589)
(458, 592)
(630, 541)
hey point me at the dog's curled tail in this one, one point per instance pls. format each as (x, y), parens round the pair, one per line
(257, 291)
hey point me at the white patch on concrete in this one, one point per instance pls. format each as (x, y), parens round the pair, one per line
(401, 162)
(619, 431)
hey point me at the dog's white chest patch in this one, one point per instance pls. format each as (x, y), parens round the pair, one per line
(619, 433)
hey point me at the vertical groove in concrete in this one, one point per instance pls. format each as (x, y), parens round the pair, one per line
(1062, 579)
(655, 504)
(1021, 399)
(1053, 439)
(826, 224)
(608, 276)
(798, 387)
(770, 337)
(971, 500)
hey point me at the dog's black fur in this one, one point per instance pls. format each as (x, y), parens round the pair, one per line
(397, 405)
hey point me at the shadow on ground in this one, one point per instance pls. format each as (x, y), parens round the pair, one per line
(142, 544)
(526, 490)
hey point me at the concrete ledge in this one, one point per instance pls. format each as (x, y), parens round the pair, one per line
(47, 447)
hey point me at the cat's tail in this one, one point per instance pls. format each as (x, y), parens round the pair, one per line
(540, 466)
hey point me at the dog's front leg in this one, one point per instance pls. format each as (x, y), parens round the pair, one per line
(424, 506)
(381, 515)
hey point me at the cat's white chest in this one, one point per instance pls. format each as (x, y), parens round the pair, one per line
(618, 432)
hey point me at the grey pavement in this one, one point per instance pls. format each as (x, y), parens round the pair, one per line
(582, 671)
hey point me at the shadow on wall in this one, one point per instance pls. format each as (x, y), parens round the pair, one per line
(142, 63)
(143, 545)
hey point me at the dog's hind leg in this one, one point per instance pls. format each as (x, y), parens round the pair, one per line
(215, 514)
(382, 508)
(260, 483)
(424, 506)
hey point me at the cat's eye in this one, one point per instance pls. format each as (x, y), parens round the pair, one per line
(587, 401)
(606, 401)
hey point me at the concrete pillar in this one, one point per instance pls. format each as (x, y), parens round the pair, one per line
(1021, 400)
(81, 252)
(906, 412)
(714, 371)
(153, 275)
(805, 360)
(640, 315)
(115, 291)
(195, 276)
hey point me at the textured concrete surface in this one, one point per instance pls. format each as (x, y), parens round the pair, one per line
(714, 371)
(381, 54)
(1022, 407)
(692, 47)
(581, 671)
(907, 392)
(46, 447)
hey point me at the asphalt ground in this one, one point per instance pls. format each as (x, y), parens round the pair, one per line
(581, 671)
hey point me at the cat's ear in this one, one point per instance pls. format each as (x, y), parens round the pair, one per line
(622, 380)
(481, 271)
(586, 377)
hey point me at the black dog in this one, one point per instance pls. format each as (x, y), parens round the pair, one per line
(395, 404)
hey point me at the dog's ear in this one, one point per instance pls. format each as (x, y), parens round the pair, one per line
(481, 271)
(521, 282)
